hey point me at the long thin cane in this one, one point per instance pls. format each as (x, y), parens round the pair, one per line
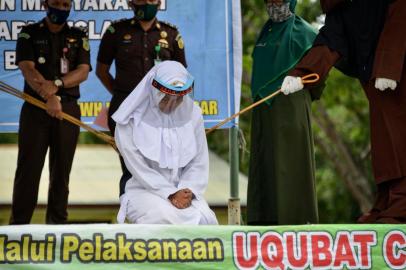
(11, 90)
(310, 78)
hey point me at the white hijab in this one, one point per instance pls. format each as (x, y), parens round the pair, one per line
(168, 139)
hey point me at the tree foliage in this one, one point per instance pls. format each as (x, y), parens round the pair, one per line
(340, 125)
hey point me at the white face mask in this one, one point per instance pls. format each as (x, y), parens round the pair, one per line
(279, 13)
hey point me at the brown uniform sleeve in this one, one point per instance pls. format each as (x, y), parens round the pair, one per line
(107, 48)
(25, 46)
(328, 5)
(179, 50)
(390, 53)
(319, 59)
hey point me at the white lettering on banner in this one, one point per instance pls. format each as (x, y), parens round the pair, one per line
(4, 31)
(9, 34)
(7, 5)
(103, 5)
(106, 25)
(100, 5)
(31, 5)
(81, 5)
(163, 5)
(302, 250)
(93, 33)
(10, 60)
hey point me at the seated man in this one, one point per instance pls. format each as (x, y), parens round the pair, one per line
(161, 136)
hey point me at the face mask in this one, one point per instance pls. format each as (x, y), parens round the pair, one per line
(145, 12)
(279, 13)
(57, 16)
(169, 103)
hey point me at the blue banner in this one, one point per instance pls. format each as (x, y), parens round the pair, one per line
(211, 30)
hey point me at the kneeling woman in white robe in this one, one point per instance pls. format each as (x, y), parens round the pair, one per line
(160, 134)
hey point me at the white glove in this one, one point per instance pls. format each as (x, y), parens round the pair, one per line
(291, 85)
(383, 84)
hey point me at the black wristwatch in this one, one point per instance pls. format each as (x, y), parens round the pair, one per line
(59, 83)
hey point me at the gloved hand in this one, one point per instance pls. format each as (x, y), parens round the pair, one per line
(383, 84)
(291, 85)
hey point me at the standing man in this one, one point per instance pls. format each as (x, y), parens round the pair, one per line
(389, 151)
(54, 59)
(136, 45)
(366, 39)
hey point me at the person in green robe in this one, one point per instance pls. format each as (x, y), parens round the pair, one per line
(281, 186)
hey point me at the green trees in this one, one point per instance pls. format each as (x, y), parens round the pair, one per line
(340, 124)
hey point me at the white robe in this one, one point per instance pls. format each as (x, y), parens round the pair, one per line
(145, 200)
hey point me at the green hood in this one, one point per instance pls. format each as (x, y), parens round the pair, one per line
(279, 48)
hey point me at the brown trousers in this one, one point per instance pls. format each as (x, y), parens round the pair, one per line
(390, 203)
(37, 132)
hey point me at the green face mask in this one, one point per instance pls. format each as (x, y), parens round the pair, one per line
(145, 12)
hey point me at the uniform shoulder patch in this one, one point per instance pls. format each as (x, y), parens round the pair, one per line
(85, 44)
(24, 35)
(169, 24)
(26, 30)
(111, 29)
